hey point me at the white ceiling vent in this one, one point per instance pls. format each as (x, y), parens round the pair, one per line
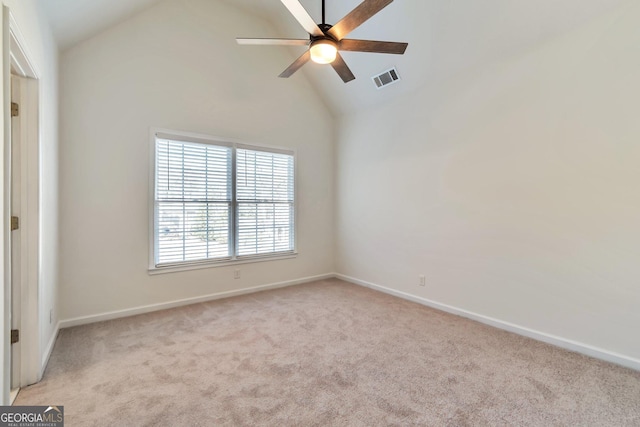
(387, 78)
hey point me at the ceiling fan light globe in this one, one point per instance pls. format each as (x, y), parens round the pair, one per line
(323, 51)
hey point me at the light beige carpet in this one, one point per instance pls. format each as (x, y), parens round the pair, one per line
(324, 354)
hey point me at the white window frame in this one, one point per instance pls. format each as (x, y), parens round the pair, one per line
(233, 259)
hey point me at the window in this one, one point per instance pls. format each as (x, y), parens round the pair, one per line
(218, 202)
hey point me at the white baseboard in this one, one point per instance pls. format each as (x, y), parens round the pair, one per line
(83, 320)
(567, 344)
(12, 395)
(48, 351)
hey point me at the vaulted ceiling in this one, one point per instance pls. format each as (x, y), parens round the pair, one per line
(445, 36)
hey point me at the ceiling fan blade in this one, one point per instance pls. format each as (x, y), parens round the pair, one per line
(342, 69)
(297, 64)
(303, 17)
(357, 17)
(373, 46)
(278, 42)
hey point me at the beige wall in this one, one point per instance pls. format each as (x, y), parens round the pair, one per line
(513, 187)
(176, 66)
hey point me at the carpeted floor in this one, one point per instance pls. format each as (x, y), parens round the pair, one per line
(324, 354)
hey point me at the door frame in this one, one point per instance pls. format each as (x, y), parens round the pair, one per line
(19, 64)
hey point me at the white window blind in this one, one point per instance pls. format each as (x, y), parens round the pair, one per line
(264, 188)
(193, 201)
(198, 217)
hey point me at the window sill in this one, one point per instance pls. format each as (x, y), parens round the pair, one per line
(213, 264)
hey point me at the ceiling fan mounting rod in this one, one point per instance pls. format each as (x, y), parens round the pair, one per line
(323, 20)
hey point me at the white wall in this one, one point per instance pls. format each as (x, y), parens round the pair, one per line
(513, 187)
(176, 66)
(43, 52)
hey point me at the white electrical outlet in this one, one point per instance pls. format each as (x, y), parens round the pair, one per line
(423, 280)
(236, 274)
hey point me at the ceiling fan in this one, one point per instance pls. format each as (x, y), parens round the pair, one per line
(326, 40)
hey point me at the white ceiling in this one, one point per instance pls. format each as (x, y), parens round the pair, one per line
(444, 36)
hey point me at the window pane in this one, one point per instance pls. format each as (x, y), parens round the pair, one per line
(264, 192)
(264, 228)
(192, 231)
(190, 171)
(263, 176)
(193, 201)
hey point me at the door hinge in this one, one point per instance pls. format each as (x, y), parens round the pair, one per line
(15, 109)
(15, 336)
(15, 223)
